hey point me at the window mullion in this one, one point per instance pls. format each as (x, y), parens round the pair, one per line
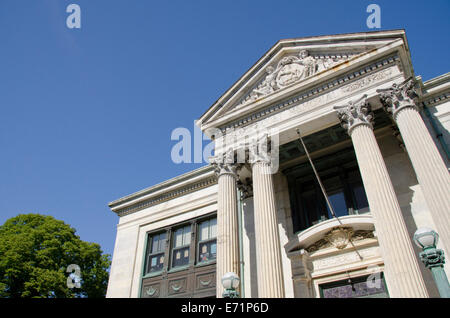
(192, 254)
(167, 250)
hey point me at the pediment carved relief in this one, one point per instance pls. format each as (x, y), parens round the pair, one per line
(289, 70)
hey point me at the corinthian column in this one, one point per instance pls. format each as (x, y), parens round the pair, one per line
(402, 271)
(432, 174)
(227, 220)
(268, 250)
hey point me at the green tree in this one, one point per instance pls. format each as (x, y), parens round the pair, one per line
(35, 252)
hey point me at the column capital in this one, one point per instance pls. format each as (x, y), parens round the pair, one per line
(225, 163)
(355, 113)
(399, 96)
(259, 151)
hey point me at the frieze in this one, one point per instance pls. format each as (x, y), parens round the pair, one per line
(379, 76)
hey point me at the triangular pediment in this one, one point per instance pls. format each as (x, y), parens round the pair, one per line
(291, 63)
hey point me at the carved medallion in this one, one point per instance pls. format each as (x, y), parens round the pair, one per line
(339, 237)
(289, 70)
(290, 73)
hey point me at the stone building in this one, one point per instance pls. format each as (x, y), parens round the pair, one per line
(378, 137)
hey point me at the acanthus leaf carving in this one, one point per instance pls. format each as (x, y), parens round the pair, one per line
(399, 96)
(225, 163)
(355, 113)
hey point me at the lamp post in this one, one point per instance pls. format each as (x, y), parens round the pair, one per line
(230, 281)
(433, 258)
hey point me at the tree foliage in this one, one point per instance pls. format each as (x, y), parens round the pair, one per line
(35, 252)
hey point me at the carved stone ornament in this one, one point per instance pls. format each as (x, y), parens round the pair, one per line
(259, 151)
(339, 237)
(290, 70)
(399, 96)
(225, 163)
(150, 291)
(355, 113)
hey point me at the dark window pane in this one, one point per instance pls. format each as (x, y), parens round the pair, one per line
(180, 256)
(359, 287)
(337, 201)
(155, 263)
(313, 207)
(360, 197)
(207, 251)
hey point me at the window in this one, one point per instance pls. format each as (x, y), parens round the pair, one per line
(155, 259)
(359, 195)
(181, 246)
(342, 182)
(207, 244)
(359, 287)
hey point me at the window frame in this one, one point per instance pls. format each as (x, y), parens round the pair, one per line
(355, 280)
(150, 254)
(198, 241)
(182, 247)
(337, 176)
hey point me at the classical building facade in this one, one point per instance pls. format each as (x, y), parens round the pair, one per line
(378, 137)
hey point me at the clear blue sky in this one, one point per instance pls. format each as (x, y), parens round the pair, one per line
(86, 115)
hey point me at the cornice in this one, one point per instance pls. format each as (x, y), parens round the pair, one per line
(167, 196)
(179, 184)
(436, 90)
(436, 100)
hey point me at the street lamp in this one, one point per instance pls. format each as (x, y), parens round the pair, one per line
(230, 281)
(433, 258)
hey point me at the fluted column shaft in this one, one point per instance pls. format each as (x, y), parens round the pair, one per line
(430, 169)
(227, 229)
(401, 267)
(268, 250)
(401, 101)
(402, 271)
